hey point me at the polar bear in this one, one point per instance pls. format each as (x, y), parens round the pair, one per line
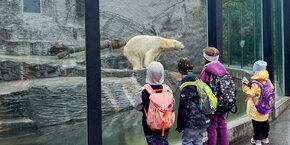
(149, 48)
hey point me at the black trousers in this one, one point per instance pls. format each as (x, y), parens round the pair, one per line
(261, 129)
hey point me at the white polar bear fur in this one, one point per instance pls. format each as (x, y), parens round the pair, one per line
(148, 48)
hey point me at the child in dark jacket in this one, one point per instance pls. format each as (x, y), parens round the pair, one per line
(218, 125)
(191, 121)
(154, 77)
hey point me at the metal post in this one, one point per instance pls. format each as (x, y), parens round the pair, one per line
(229, 38)
(268, 36)
(242, 42)
(93, 65)
(286, 18)
(215, 31)
(268, 40)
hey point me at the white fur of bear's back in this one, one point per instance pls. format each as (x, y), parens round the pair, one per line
(140, 44)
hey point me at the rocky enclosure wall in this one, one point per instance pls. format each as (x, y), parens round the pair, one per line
(23, 33)
(14, 70)
(184, 20)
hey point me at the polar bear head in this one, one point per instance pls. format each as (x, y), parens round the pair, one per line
(171, 45)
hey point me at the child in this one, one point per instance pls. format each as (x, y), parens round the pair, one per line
(154, 77)
(191, 121)
(253, 91)
(218, 126)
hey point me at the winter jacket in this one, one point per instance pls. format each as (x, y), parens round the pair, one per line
(215, 68)
(142, 101)
(254, 91)
(189, 115)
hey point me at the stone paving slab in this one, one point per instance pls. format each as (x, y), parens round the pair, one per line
(279, 131)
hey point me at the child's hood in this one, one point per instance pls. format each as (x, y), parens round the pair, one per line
(216, 68)
(261, 76)
(155, 73)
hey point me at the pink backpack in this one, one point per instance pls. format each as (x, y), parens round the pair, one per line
(160, 114)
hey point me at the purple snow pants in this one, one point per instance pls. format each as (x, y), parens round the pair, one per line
(218, 127)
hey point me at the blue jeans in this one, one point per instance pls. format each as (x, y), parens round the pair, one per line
(192, 136)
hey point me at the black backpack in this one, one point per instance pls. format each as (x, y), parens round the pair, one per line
(224, 89)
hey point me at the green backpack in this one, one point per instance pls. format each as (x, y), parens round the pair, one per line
(207, 100)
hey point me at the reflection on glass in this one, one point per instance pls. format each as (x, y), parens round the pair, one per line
(278, 49)
(242, 32)
(121, 20)
(242, 40)
(42, 72)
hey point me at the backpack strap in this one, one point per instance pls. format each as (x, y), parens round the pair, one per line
(236, 109)
(145, 112)
(258, 83)
(185, 84)
(149, 89)
(247, 99)
(254, 101)
(164, 88)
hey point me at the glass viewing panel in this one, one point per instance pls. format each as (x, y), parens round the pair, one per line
(278, 48)
(42, 73)
(121, 20)
(242, 41)
(242, 32)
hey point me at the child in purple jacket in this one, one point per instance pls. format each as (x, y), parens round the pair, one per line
(218, 126)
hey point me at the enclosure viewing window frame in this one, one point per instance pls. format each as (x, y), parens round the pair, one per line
(93, 66)
(93, 62)
(286, 32)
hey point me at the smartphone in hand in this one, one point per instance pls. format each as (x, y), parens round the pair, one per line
(245, 81)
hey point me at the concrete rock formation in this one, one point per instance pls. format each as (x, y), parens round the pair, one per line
(33, 33)
(183, 20)
(116, 43)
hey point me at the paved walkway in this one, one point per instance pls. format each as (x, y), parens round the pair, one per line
(279, 131)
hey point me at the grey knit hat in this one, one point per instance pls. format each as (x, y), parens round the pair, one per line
(259, 65)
